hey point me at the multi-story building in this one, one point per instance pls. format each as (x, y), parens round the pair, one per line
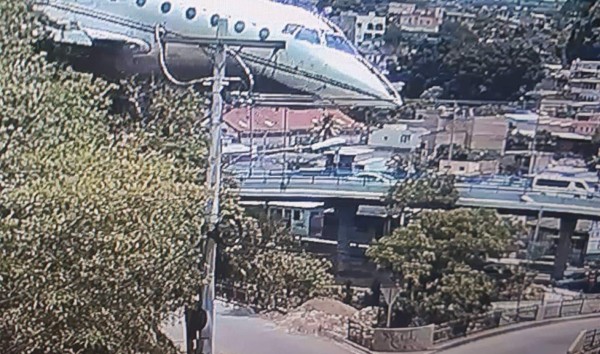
(412, 19)
(368, 27)
(584, 80)
(465, 18)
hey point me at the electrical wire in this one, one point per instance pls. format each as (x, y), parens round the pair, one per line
(245, 67)
(162, 59)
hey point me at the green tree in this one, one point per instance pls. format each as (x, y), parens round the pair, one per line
(266, 257)
(438, 260)
(325, 128)
(465, 67)
(423, 190)
(99, 232)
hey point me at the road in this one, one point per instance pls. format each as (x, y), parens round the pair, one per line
(253, 335)
(239, 332)
(549, 339)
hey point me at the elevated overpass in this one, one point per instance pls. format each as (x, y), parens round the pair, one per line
(345, 194)
(512, 200)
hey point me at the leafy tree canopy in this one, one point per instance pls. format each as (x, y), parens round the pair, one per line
(438, 260)
(425, 190)
(467, 68)
(99, 227)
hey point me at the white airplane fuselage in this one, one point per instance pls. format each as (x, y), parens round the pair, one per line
(317, 58)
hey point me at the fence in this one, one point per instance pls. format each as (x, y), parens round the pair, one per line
(498, 318)
(479, 323)
(361, 335)
(587, 342)
(253, 296)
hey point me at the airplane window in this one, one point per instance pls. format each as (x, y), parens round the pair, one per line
(140, 3)
(290, 28)
(339, 43)
(308, 35)
(190, 13)
(165, 7)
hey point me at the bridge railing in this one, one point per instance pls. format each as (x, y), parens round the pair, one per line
(289, 180)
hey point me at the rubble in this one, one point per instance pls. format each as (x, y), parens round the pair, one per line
(324, 317)
(321, 316)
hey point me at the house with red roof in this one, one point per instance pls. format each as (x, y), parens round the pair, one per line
(267, 126)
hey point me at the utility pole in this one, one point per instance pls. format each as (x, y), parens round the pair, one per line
(214, 183)
(203, 319)
(533, 147)
(251, 116)
(451, 147)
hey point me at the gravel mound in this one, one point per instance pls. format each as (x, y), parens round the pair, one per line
(321, 316)
(329, 306)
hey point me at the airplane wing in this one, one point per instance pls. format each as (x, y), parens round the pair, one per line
(87, 36)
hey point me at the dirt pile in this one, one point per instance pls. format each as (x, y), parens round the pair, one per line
(326, 317)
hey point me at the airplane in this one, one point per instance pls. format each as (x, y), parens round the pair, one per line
(124, 36)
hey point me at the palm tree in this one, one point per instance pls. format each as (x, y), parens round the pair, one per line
(325, 128)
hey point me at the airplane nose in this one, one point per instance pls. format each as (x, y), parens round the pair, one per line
(367, 81)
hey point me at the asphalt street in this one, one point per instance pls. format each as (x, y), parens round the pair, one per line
(550, 339)
(241, 332)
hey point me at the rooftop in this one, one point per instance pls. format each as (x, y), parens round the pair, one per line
(267, 119)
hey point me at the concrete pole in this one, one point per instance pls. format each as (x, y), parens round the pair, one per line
(214, 183)
(451, 147)
(567, 228)
(251, 117)
(533, 147)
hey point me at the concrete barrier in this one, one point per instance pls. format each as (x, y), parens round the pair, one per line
(402, 339)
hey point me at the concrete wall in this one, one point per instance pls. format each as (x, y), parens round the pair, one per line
(402, 339)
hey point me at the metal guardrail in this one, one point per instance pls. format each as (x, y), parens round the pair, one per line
(591, 340)
(290, 180)
(475, 324)
(360, 334)
(587, 342)
(470, 325)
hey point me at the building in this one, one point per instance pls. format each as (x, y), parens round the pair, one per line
(469, 168)
(397, 137)
(275, 127)
(584, 80)
(409, 18)
(475, 133)
(465, 18)
(401, 8)
(363, 28)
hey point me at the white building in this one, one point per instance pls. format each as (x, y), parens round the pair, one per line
(397, 136)
(584, 80)
(368, 27)
(469, 168)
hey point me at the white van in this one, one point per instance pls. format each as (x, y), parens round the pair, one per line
(562, 184)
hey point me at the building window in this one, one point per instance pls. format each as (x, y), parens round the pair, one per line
(385, 138)
(379, 27)
(461, 168)
(368, 36)
(297, 215)
(370, 26)
(287, 214)
(405, 138)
